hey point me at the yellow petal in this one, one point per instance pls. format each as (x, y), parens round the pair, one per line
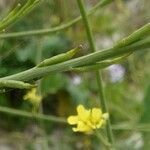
(75, 129)
(33, 97)
(96, 115)
(82, 127)
(83, 114)
(80, 109)
(72, 120)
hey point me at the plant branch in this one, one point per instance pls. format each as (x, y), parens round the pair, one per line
(64, 26)
(26, 114)
(37, 73)
(49, 118)
(101, 65)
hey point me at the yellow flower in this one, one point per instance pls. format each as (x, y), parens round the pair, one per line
(33, 97)
(87, 120)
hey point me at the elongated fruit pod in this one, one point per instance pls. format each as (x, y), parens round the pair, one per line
(9, 16)
(13, 12)
(135, 36)
(15, 84)
(60, 58)
(101, 65)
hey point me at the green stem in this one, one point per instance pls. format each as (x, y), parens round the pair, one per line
(38, 60)
(64, 26)
(104, 107)
(102, 139)
(40, 108)
(26, 114)
(37, 73)
(131, 126)
(21, 113)
(98, 74)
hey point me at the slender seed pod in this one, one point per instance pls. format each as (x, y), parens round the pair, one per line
(17, 13)
(60, 58)
(15, 84)
(26, 8)
(13, 12)
(10, 15)
(34, 4)
(101, 65)
(135, 36)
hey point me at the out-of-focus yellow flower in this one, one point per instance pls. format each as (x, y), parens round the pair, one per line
(33, 97)
(87, 120)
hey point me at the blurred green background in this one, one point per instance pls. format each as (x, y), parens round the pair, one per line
(127, 85)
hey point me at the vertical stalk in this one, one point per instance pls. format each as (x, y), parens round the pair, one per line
(98, 74)
(38, 60)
